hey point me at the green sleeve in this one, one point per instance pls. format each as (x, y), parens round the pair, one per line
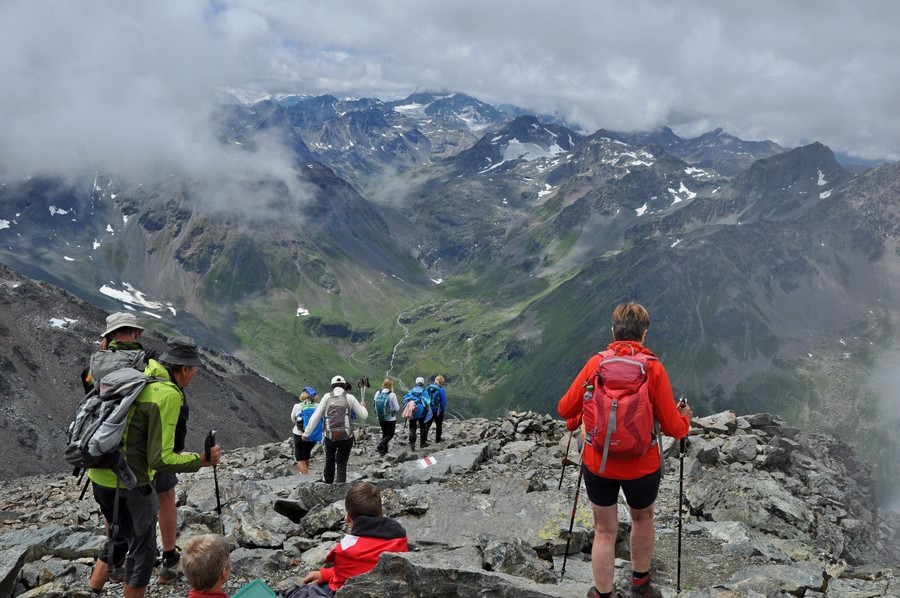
(161, 423)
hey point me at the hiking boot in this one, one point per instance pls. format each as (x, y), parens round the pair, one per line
(645, 590)
(170, 568)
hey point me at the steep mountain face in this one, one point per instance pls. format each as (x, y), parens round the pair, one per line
(48, 337)
(435, 234)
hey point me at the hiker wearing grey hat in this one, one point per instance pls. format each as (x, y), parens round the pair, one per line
(121, 335)
(120, 320)
(151, 449)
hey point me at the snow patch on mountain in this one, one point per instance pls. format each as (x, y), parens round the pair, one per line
(130, 296)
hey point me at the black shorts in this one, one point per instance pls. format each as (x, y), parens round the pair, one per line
(640, 493)
(302, 448)
(164, 481)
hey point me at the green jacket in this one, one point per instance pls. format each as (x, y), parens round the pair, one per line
(150, 433)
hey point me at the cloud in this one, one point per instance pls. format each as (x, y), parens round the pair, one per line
(130, 85)
(130, 89)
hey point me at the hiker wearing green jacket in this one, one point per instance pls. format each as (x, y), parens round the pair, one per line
(148, 445)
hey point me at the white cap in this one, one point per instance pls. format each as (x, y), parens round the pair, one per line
(420, 380)
(338, 380)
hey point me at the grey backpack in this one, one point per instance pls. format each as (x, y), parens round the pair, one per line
(107, 361)
(95, 435)
(337, 417)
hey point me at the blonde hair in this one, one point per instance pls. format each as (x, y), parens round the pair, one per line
(203, 560)
(439, 379)
(388, 384)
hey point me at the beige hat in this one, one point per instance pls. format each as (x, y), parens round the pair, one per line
(120, 319)
(420, 380)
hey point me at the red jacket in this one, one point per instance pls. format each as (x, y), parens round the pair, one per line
(664, 410)
(199, 594)
(358, 551)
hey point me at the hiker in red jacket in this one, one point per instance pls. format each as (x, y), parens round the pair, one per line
(371, 533)
(638, 477)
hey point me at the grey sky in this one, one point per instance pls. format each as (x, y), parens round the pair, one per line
(130, 84)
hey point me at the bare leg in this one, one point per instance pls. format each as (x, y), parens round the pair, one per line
(99, 576)
(303, 467)
(168, 518)
(643, 537)
(603, 553)
(135, 592)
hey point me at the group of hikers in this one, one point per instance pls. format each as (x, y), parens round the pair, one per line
(331, 420)
(620, 452)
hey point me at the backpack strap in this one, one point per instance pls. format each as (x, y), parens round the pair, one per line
(610, 428)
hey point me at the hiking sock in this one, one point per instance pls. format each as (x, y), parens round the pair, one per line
(171, 557)
(639, 579)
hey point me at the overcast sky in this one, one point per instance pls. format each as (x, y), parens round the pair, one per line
(117, 84)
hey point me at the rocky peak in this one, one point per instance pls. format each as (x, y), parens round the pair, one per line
(769, 510)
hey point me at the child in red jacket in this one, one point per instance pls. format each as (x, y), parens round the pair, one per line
(371, 533)
(206, 562)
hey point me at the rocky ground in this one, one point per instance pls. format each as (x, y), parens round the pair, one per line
(768, 511)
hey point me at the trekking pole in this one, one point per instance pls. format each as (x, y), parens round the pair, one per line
(565, 460)
(682, 447)
(572, 521)
(211, 442)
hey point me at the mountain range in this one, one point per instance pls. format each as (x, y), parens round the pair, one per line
(439, 234)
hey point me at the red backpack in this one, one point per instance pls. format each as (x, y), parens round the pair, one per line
(617, 411)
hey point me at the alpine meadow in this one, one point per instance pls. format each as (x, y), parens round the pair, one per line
(440, 234)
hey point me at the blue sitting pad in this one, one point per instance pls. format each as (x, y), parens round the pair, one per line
(255, 589)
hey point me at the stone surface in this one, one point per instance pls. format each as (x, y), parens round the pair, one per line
(767, 511)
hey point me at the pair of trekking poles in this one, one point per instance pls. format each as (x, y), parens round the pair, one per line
(682, 449)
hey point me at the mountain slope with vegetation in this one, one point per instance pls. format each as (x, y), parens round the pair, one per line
(435, 234)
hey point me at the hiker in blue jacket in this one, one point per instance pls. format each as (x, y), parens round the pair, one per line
(386, 408)
(438, 405)
(419, 416)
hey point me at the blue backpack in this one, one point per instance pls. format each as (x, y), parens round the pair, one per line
(420, 396)
(382, 404)
(434, 391)
(305, 416)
